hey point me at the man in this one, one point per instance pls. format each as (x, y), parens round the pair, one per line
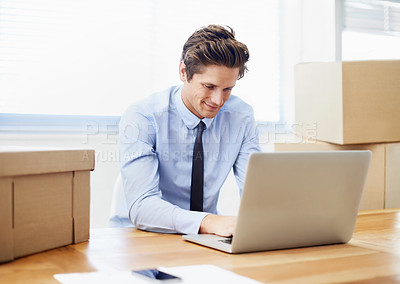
(157, 137)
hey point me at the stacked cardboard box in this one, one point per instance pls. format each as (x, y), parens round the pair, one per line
(44, 199)
(353, 106)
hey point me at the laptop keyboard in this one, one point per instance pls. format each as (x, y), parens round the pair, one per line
(226, 241)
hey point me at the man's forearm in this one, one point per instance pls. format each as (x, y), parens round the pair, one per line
(157, 215)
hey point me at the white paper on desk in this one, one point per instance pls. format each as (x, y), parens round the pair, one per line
(189, 274)
(212, 274)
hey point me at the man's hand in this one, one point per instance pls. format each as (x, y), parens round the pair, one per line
(218, 225)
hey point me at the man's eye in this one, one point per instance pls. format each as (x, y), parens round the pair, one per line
(209, 87)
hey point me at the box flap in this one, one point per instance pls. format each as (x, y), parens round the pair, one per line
(43, 212)
(6, 220)
(392, 196)
(81, 229)
(17, 161)
(81, 205)
(42, 236)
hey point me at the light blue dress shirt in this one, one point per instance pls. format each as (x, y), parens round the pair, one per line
(156, 148)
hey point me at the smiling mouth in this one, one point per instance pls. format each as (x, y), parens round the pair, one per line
(210, 106)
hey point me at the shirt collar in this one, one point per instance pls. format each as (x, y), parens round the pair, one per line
(189, 118)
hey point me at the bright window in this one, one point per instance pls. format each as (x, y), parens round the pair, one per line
(371, 30)
(83, 57)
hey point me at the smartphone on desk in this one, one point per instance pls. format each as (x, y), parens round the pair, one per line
(156, 276)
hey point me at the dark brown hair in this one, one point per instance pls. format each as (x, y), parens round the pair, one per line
(214, 45)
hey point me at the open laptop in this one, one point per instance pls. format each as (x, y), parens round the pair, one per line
(296, 199)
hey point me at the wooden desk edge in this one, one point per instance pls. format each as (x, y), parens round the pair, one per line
(378, 211)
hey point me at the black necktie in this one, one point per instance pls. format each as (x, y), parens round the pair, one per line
(196, 197)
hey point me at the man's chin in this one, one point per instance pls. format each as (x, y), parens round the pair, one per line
(207, 113)
(210, 115)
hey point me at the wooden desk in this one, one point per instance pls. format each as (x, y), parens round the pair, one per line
(372, 256)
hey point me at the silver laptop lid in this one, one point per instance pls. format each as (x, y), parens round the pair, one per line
(295, 199)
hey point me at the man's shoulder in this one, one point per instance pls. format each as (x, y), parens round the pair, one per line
(238, 106)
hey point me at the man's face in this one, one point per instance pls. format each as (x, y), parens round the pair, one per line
(206, 92)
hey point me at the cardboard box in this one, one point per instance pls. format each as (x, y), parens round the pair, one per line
(44, 199)
(382, 189)
(350, 102)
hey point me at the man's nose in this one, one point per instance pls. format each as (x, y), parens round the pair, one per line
(217, 97)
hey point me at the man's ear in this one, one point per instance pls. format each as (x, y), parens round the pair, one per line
(182, 71)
